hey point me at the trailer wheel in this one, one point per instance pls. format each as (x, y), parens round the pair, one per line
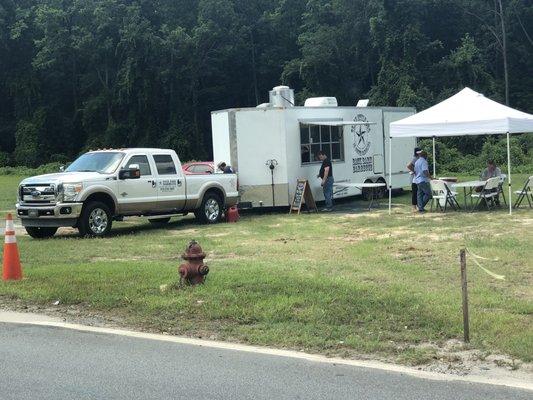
(95, 220)
(365, 192)
(210, 210)
(37, 232)
(382, 191)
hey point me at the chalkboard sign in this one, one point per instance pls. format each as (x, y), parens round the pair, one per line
(303, 195)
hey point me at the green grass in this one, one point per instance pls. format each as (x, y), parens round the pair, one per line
(8, 192)
(340, 283)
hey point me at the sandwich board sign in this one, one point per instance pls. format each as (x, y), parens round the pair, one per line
(303, 195)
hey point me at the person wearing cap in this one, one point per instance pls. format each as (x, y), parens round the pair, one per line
(221, 166)
(422, 179)
(411, 169)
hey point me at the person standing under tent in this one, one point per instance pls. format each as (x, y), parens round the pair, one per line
(422, 178)
(326, 174)
(411, 168)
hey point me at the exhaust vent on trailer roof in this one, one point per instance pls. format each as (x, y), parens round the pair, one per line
(281, 96)
(321, 102)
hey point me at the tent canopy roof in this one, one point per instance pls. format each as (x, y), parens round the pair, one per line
(465, 113)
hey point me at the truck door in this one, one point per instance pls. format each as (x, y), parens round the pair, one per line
(171, 195)
(138, 195)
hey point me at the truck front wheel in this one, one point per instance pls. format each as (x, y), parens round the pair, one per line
(95, 220)
(210, 210)
(41, 232)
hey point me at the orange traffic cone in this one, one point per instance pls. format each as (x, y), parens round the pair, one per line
(11, 266)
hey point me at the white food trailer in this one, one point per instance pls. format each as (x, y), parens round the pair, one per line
(286, 137)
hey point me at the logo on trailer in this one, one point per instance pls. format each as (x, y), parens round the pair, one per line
(361, 135)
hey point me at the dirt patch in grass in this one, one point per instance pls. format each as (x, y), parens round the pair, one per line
(363, 215)
(215, 235)
(181, 232)
(118, 259)
(457, 358)
(213, 256)
(348, 239)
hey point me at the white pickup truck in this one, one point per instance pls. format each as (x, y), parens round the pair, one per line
(106, 185)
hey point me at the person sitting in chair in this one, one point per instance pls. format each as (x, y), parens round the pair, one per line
(492, 171)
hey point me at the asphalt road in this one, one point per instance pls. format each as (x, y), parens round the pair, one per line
(38, 362)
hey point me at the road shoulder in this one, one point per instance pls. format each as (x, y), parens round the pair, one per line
(518, 379)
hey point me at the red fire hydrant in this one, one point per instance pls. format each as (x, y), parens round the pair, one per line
(194, 270)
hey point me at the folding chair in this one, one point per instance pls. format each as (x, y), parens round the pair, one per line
(525, 193)
(488, 193)
(501, 192)
(441, 193)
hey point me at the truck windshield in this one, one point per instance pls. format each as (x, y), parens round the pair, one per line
(102, 162)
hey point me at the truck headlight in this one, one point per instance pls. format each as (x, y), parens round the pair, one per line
(71, 190)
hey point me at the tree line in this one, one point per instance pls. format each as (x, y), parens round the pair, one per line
(81, 74)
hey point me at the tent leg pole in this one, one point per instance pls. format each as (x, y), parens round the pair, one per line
(509, 174)
(434, 160)
(390, 175)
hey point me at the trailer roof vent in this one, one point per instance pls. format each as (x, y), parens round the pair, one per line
(321, 102)
(281, 96)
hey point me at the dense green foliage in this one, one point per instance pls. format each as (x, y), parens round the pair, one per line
(452, 161)
(78, 74)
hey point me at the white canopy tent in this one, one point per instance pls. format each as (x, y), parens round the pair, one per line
(465, 113)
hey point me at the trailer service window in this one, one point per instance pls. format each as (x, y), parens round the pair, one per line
(321, 137)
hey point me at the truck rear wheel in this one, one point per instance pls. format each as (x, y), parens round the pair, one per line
(95, 220)
(37, 232)
(210, 210)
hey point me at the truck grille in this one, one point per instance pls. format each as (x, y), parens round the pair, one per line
(42, 193)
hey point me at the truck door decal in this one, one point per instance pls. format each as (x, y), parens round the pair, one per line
(168, 185)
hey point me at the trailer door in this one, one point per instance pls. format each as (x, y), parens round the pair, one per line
(379, 161)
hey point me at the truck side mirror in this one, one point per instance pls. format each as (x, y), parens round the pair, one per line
(129, 173)
(61, 168)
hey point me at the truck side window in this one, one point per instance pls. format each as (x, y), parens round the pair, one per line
(165, 164)
(143, 163)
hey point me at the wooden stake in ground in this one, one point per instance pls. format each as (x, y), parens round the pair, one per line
(466, 327)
